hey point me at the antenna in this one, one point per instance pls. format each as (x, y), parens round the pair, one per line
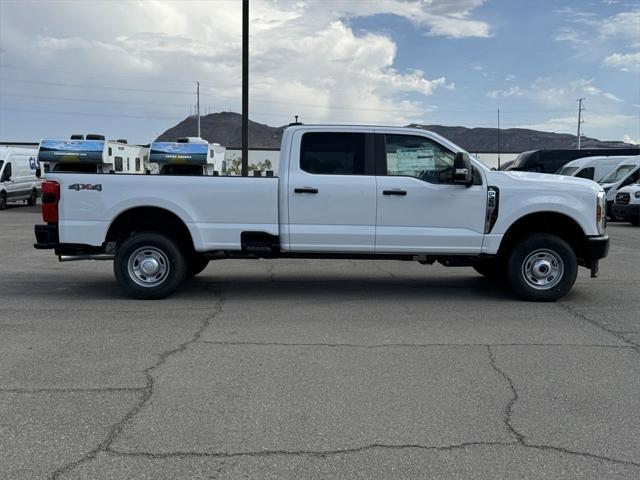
(498, 139)
(198, 105)
(580, 121)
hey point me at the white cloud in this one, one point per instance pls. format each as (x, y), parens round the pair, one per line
(624, 25)
(305, 57)
(627, 62)
(549, 91)
(509, 92)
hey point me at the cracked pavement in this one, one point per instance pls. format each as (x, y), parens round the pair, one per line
(315, 369)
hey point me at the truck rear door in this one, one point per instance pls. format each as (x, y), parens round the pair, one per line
(331, 192)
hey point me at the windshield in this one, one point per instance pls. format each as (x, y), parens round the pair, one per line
(567, 171)
(618, 174)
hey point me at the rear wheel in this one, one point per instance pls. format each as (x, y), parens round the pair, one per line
(149, 266)
(3, 201)
(33, 198)
(542, 267)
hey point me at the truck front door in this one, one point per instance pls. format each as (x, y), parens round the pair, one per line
(331, 192)
(419, 207)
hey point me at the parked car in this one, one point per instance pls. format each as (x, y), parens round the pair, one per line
(375, 193)
(626, 173)
(592, 168)
(550, 161)
(18, 179)
(626, 206)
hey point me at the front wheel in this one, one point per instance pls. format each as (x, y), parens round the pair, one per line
(32, 198)
(3, 201)
(542, 267)
(149, 266)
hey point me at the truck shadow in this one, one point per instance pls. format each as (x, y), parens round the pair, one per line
(327, 288)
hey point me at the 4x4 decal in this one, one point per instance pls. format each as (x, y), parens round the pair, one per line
(85, 186)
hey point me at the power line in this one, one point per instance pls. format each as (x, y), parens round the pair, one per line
(96, 87)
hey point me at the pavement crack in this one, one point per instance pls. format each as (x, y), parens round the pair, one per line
(521, 440)
(407, 345)
(73, 390)
(146, 393)
(308, 453)
(566, 451)
(617, 334)
(514, 397)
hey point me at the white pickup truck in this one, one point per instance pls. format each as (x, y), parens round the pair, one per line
(379, 193)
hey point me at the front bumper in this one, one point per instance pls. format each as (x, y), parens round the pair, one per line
(627, 212)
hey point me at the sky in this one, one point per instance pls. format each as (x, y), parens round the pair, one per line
(127, 69)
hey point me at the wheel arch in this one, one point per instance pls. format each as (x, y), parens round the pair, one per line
(149, 218)
(551, 222)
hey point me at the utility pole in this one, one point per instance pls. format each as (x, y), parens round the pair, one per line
(198, 105)
(580, 121)
(245, 88)
(498, 139)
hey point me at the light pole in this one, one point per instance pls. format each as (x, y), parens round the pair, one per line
(245, 88)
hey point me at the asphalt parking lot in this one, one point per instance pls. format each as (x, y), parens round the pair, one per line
(315, 369)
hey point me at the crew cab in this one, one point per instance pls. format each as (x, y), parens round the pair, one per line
(378, 193)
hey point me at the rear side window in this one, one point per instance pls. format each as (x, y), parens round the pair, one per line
(588, 173)
(327, 153)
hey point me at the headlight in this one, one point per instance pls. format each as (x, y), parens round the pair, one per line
(637, 194)
(601, 212)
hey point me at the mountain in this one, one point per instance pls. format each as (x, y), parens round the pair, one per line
(225, 128)
(515, 139)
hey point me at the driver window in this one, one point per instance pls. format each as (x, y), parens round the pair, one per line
(418, 157)
(6, 175)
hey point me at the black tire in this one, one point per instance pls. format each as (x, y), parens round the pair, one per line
(542, 268)
(196, 265)
(149, 247)
(33, 198)
(3, 201)
(493, 269)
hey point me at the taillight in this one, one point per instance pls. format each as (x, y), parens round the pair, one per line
(50, 199)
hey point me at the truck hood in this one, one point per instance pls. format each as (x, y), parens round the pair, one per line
(630, 188)
(549, 180)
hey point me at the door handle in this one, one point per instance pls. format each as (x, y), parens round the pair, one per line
(400, 193)
(305, 190)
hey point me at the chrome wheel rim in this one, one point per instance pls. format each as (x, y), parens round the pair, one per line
(148, 266)
(543, 269)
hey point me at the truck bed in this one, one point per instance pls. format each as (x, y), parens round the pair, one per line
(215, 209)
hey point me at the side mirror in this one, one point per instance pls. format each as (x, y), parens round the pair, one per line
(462, 169)
(38, 172)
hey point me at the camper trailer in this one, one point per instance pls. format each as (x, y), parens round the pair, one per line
(92, 154)
(187, 156)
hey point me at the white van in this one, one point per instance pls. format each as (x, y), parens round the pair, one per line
(626, 173)
(18, 181)
(592, 168)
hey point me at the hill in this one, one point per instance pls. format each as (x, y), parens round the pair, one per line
(225, 128)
